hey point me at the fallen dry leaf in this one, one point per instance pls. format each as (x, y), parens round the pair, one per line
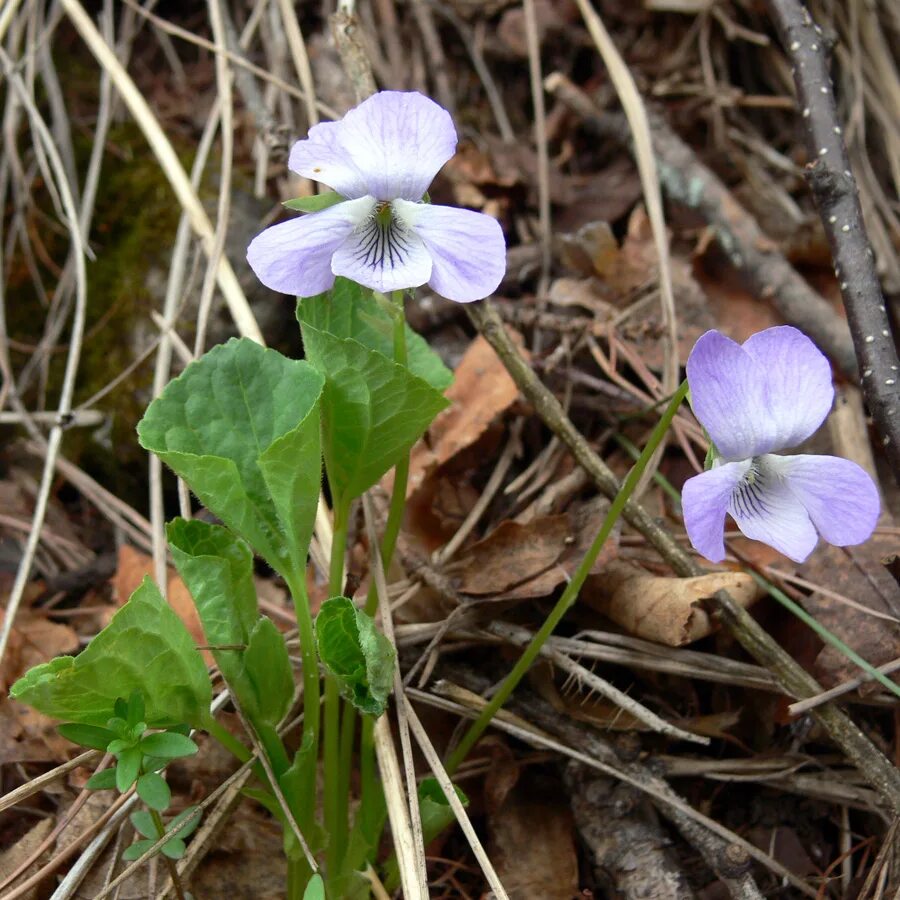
(134, 566)
(482, 389)
(523, 561)
(532, 842)
(660, 608)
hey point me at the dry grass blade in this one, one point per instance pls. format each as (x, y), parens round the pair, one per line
(403, 805)
(162, 148)
(443, 779)
(73, 356)
(636, 113)
(521, 637)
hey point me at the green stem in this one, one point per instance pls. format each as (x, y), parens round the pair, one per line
(336, 801)
(227, 740)
(309, 657)
(170, 863)
(824, 633)
(570, 594)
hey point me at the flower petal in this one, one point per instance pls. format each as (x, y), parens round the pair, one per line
(799, 392)
(728, 396)
(398, 141)
(766, 509)
(384, 257)
(322, 157)
(839, 496)
(294, 257)
(467, 248)
(705, 499)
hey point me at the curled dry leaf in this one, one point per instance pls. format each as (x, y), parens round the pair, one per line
(663, 608)
(524, 561)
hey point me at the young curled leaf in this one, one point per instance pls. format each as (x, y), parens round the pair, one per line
(356, 653)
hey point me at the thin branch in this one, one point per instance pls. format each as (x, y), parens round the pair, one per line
(837, 198)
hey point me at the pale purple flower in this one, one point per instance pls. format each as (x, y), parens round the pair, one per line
(381, 158)
(756, 399)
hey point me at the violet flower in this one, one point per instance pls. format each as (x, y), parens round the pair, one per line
(381, 158)
(756, 399)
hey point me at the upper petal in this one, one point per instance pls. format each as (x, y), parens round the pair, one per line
(839, 496)
(384, 257)
(294, 257)
(322, 157)
(398, 142)
(467, 248)
(704, 500)
(728, 396)
(799, 392)
(767, 510)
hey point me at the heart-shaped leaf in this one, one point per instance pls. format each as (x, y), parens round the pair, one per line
(145, 648)
(240, 426)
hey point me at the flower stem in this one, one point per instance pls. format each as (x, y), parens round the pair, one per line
(370, 799)
(336, 802)
(570, 594)
(227, 739)
(308, 655)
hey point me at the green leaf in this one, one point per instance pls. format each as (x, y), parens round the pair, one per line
(128, 765)
(356, 653)
(119, 745)
(145, 647)
(144, 825)
(168, 745)
(174, 848)
(349, 310)
(315, 203)
(136, 710)
(268, 670)
(87, 735)
(195, 819)
(154, 791)
(315, 889)
(299, 783)
(373, 411)
(104, 780)
(434, 809)
(227, 425)
(217, 567)
(137, 850)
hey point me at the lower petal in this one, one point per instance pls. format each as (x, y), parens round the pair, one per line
(384, 257)
(467, 248)
(767, 510)
(704, 500)
(294, 257)
(839, 496)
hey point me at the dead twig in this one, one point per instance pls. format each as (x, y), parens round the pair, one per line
(690, 183)
(834, 190)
